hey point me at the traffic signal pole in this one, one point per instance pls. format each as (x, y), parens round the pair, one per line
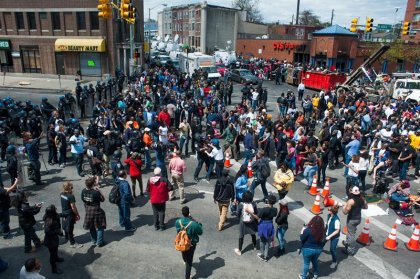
(132, 59)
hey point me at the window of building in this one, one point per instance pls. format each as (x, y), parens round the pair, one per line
(192, 14)
(94, 21)
(416, 17)
(192, 26)
(31, 21)
(417, 3)
(56, 24)
(20, 23)
(174, 15)
(43, 15)
(81, 20)
(30, 59)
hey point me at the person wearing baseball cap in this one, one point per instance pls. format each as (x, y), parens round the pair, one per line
(353, 210)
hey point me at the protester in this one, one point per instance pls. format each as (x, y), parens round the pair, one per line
(158, 188)
(95, 220)
(248, 224)
(283, 180)
(333, 233)
(69, 213)
(177, 167)
(126, 199)
(32, 148)
(194, 230)
(223, 195)
(31, 269)
(77, 142)
(135, 163)
(261, 170)
(311, 237)
(282, 226)
(5, 203)
(353, 210)
(52, 231)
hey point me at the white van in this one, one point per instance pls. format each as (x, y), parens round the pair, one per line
(197, 60)
(407, 89)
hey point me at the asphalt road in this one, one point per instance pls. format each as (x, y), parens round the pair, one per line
(148, 253)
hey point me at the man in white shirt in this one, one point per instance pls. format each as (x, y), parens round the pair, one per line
(31, 269)
(301, 90)
(254, 97)
(76, 143)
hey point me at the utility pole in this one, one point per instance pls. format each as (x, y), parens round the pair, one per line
(297, 12)
(132, 59)
(332, 16)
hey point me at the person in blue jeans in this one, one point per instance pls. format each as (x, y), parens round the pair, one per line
(125, 202)
(282, 226)
(311, 237)
(333, 233)
(405, 157)
(261, 162)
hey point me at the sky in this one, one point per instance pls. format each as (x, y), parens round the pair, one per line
(382, 11)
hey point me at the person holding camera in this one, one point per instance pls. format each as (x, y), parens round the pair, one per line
(27, 221)
(32, 148)
(77, 150)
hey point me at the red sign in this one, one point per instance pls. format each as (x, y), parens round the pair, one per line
(284, 46)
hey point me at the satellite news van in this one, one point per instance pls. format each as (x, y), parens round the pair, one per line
(197, 60)
(407, 89)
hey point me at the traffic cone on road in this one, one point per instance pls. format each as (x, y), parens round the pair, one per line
(329, 202)
(413, 243)
(326, 190)
(227, 161)
(316, 207)
(249, 169)
(345, 230)
(314, 190)
(364, 237)
(391, 242)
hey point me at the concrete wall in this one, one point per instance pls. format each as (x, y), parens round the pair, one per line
(221, 27)
(245, 27)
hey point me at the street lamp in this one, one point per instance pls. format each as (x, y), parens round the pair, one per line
(395, 21)
(148, 37)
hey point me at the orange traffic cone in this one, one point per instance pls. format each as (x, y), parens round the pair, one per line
(314, 190)
(413, 243)
(345, 230)
(326, 190)
(391, 242)
(227, 161)
(249, 169)
(316, 207)
(329, 202)
(364, 237)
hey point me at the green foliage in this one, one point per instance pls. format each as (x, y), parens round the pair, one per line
(402, 51)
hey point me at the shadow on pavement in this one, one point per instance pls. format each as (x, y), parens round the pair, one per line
(206, 266)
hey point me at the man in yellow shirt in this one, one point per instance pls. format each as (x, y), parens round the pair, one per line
(315, 101)
(415, 140)
(283, 180)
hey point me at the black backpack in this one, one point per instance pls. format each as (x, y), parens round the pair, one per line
(114, 195)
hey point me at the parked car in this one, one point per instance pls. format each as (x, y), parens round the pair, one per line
(243, 76)
(221, 69)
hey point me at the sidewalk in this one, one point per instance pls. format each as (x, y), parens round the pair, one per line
(67, 83)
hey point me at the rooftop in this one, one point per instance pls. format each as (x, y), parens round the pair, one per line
(334, 30)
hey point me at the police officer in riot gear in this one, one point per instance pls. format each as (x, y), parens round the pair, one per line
(34, 124)
(91, 91)
(4, 139)
(98, 89)
(83, 100)
(92, 130)
(46, 108)
(62, 107)
(78, 93)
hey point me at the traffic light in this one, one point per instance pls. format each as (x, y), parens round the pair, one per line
(369, 24)
(132, 15)
(353, 27)
(406, 28)
(125, 9)
(104, 9)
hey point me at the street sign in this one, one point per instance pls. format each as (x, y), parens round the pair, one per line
(131, 62)
(383, 27)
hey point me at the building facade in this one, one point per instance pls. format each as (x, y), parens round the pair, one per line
(412, 15)
(201, 26)
(63, 37)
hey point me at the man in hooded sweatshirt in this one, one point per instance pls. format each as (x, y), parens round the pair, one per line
(224, 193)
(158, 188)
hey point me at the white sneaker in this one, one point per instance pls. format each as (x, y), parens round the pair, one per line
(76, 245)
(237, 251)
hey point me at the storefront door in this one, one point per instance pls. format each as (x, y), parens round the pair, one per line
(59, 60)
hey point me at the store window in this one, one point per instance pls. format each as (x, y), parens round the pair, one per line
(31, 21)
(416, 17)
(94, 21)
(90, 64)
(30, 59)
(20, 23)
(56, 24)
(81, 21)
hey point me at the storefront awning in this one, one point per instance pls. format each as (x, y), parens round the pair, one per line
(80, 45)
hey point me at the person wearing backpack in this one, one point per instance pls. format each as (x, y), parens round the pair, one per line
(261, 170)
(5, 204)
(224, 193)
(247, 225)
(125, 202)
(158, 188)
(193, 230)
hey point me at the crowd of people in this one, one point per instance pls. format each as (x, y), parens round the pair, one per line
(162, 115)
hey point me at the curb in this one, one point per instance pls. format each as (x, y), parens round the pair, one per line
(56, 91)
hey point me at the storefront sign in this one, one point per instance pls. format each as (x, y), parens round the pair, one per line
(5, 44)
(284, 46)
(15, 54)
(80, 45)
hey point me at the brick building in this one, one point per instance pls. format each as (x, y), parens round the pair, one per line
(412, 15)
(63, 37)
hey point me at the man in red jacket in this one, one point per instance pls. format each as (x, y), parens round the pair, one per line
(164, 116)
(158, 188)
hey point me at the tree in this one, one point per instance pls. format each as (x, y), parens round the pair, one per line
(253, 13)
(402, 51)
(307, 17)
